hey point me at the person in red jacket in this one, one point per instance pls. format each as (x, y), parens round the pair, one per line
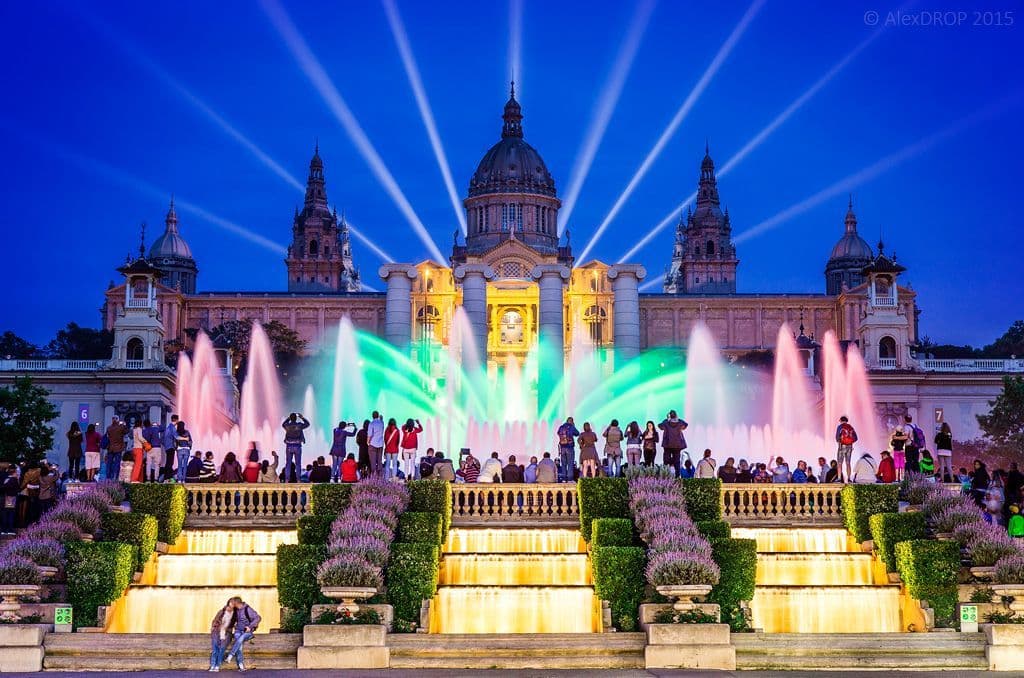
(410, 445)
(349, 469)
(886, 468)
(392, 436)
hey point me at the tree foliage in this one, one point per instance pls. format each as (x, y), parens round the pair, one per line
(1010, 344)
(80, 343)
(1004, 424)
(285, 343)
(25, 411)
(13, 347)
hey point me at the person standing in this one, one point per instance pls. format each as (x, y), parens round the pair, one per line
(9, 488)
(183, 449)
(634, 444)
(410, 446)
(673, 442)
(567, 434)
(375, 439)
(588, 452)
(138, 452)
(154, 451)
(392, 439)
(92, 452)
(898, 443)
(221, 631)
(74, 436)
(846, 436)
(650, 443)
(47, 488)
(115, 448)
(294, 436)
(247, 620)
(342, 433)
(363, 445)
(613, 447)
(944, 453)
(706, 466)
(915, 443)
(170, 445)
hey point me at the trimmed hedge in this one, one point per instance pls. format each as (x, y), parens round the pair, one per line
(618, 578)
(432, 495)
(314, 529)
(411, 578)
(163, 501)
(136, 529)
(297, 587)
(737, 561)
(601, 498)
(889, 529)
(703, 498)
(714, 529)
(97, 574)
(420, 528)
(929, 568)
(330, 499)
(860, 502)
(612, 532)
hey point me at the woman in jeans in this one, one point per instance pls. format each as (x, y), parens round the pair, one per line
(634, 444)
(650, 442)
(183, 444)
(222, 631)
(74, 435)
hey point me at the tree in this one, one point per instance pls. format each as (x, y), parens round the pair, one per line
(1004, 424)
(285, 343)
(13, 347)
(81, 343)
(25, 411)
(1011, 343)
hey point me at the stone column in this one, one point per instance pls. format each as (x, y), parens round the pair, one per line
(626, 307)
(473, 278)
(551, 280)
(398, 303)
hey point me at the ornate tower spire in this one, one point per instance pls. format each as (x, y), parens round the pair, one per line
(171, 220)
(707, 189)
(316, 191)
(513, 116)
(851, 218)
(142, 240)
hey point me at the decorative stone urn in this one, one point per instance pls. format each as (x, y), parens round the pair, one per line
(348, 595)
(10, 595)
(944, 536)
(685, 594)
(1015, 591)
(48, 572)
(983, 573)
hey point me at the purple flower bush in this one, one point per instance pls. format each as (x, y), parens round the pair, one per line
(50, 528)
(956, 515)
(19, 571)
(985, 543)
(42, 551)
(987, 550)
(82, 516)
(356, 527)
(113, 489)
(349, 569)
(370, 548)
(1010, 569)
(673, 568)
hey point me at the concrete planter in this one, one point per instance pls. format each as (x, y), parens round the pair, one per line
(11, 595)
(689, 646)
(48, 572)
(353, 646)
(983, 573)
(21, 647)
(1005, 646)
(944, 536)
(1015, 591)
(348, 595)
(687, 596)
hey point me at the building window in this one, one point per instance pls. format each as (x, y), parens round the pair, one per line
(134, 350)
(511, 328)
(511, 217)
(887, 348)
(427, 319)
(595, 318)
(711, 249)
(327, 251)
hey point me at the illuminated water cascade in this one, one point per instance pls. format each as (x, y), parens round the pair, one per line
(818, 581)
(196, 578)
(515, 581)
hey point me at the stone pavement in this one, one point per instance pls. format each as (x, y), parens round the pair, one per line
(529, 673)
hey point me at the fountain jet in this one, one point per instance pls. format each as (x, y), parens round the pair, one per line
(314, 70)
(681, 113)
(413, 73)
(606, 106)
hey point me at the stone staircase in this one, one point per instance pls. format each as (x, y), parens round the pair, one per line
(167, 651)
(518, 651)
(793, 651)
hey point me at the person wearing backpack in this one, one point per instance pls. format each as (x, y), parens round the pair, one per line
(567, 434)
(915, 443)
(846, 436)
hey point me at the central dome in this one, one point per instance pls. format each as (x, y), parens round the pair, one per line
(851, 246)
(512, 165)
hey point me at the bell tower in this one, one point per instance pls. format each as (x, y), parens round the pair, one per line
(138, 330)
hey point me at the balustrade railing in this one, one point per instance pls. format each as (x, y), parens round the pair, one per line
(258, 504)
(781, 503)
(480, 503)
(49, 365)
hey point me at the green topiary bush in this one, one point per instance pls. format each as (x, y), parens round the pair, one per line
(601, 498)
(889, 529)
(737, 562)
(420, 528)
(411, 578)
(929, 569)
(860, 502)
(714, 529)
(612, 532)
(313, 528)
(137, 529)
(163, 501)
(97, 574)
(703, 498)
(297, 586)
(330, 499)
(432, 495)
(618, 578)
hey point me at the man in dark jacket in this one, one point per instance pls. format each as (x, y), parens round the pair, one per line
(294, 436)
(246, 621)
(672, 439)
(512, 473)
(115, 447)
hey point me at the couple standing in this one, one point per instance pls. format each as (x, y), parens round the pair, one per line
(233, 625)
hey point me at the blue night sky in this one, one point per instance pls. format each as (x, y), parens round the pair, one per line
(94, 138)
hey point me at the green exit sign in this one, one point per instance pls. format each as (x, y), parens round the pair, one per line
(62, 616)
(968, 614)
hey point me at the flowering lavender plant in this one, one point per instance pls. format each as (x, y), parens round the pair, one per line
(350, 526)
(349, 569)
(97, 500)
(82, 516)
(682, 541)
(678, 568)
(116, 494)
(939, 500)
(51, 528)
(954, 516)
(987, 550)
(18, 571)
(370, 548)
(1010, 569)
(42, 551)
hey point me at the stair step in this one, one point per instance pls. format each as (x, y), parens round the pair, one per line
(458, 643)
(523, 661)
(895, 661)
(156, 663)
